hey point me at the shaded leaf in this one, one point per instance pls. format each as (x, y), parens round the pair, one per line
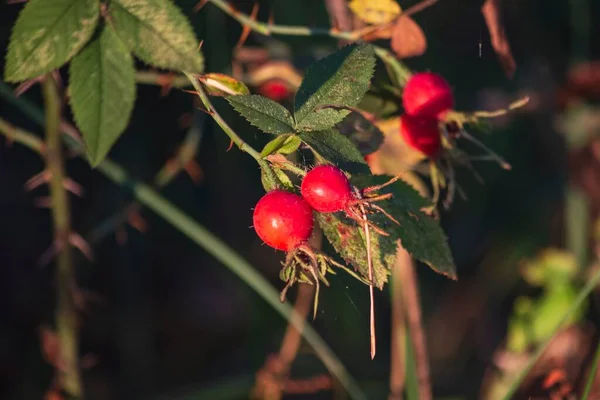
(263, 113)
(380, 104)
(158, 33)
(493, 20)
(281, 144)
(47, 34)
(223, 85)
(340, 79)
(102, 85)
(337, 149)
(363, 134)
(347, 238)
(375, 12)
(418, 233)
(408, 39)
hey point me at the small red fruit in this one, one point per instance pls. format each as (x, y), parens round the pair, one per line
(422, 134)
(427, 95)
(326, 189)
(283, 220)
(275, 89)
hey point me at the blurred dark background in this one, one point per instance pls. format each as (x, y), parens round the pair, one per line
(172, 322)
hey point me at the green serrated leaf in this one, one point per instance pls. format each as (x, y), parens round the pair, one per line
(263, 113)
(340, 79)
(363, 134)
(419, 234)
(102, 85)
(223, 85)
(337, 149)
(347, 238)
(158, 33)
(282, 145)
(47, 34)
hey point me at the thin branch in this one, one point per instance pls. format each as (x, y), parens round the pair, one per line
(66, 314)
(235, 138)
(410, 292)
(205, 239)
(286, 30)
(398, 350)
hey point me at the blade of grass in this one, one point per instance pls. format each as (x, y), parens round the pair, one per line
(592, 376)
(195, 232)
(583, 293)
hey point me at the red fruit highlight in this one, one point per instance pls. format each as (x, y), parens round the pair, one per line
(326, 189)
(422, 134)
(283, 220)
(275, 90)
(427, 95)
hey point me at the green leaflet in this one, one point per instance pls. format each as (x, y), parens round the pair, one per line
(158, 33)
(102, 84)
(340, 79)
(47, 34)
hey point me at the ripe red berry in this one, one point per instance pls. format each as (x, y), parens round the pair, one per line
(283, 220)
(326, 189)
(427, 95)
(275, 89)
(421, 133)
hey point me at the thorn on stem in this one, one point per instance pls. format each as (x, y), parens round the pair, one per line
(199, 6)
(82, 245)
(137, 221)
(194, 171)
(246, 28)
(230, 145)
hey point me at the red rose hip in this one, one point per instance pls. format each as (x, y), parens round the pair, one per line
(422, 134)
(427, 95)
(275, 89)
(283, 220)
(326, 189)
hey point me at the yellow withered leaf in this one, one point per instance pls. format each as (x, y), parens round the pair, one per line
(375, 12)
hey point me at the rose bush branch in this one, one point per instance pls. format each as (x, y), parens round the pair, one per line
(66, 313)
(203, 238)
(400, 70)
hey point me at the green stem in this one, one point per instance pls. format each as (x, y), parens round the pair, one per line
(218, 249)
(269, 29)
(583, 294)
(66, 313)
(239, 142)
(592, 376)
(399, 72)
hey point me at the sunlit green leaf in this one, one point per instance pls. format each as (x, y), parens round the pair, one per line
(47, 34)
(337, 149)
(102, 85)
(265, 114)
(158, 33)
(340, 79)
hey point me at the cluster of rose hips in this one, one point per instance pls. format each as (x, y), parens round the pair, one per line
(430, 126)
(426, 98)
(284, 220)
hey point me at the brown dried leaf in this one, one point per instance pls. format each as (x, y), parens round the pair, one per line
(382, 32)
(408, 39)
(491, 14)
